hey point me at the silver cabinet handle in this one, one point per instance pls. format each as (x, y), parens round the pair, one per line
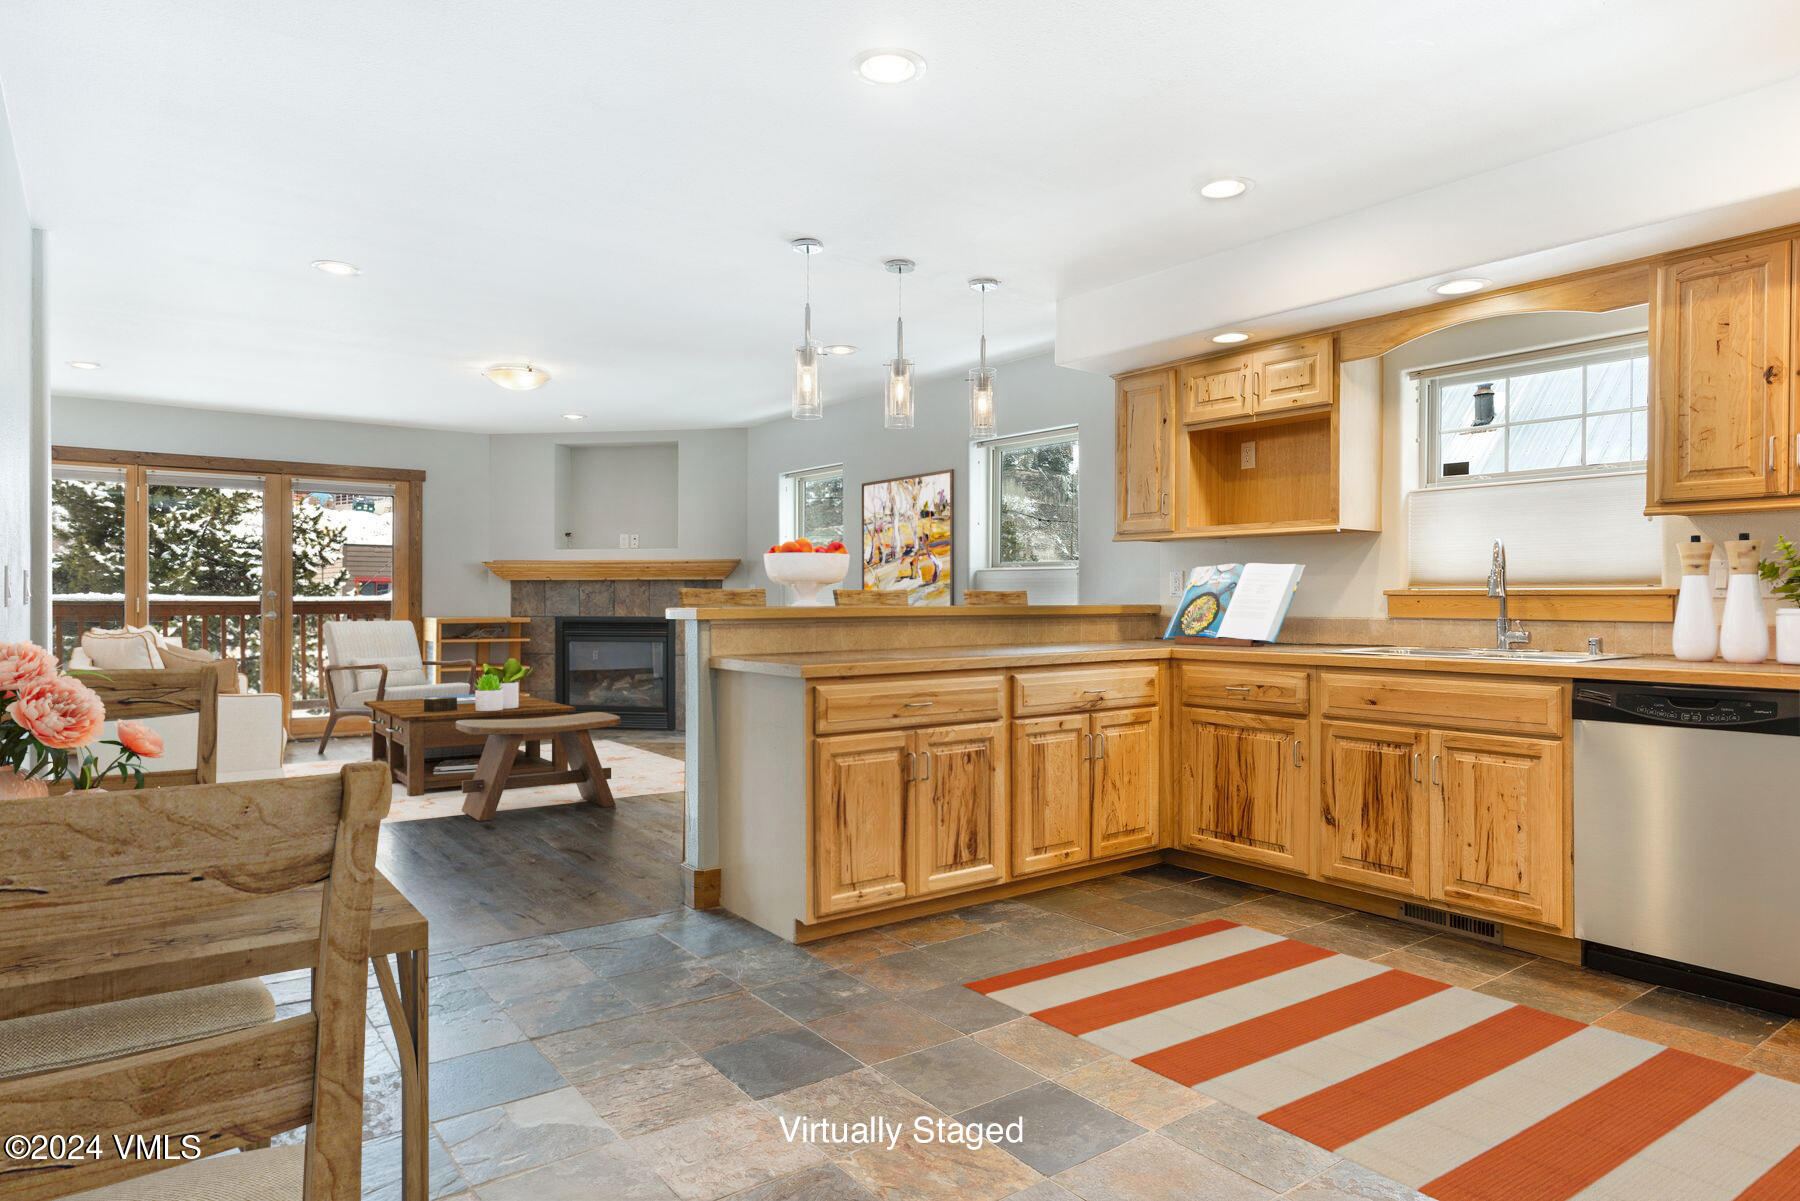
(1771, 454)
(1436, 776)
(1416, 777)
(1088, 743)
(1256, 386)
(1094, 691)
(911, 771)
(1100, 747)
(1238, 689)
(916, 704)
(1296, 752)
(926, 755)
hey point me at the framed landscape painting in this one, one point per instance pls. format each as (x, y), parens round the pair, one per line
(907, 537)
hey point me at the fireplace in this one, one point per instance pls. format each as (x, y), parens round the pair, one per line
(623, 665)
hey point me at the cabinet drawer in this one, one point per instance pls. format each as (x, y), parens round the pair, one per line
(1237, 688)
(1466, 702)
(1075, 689)
(905, 701)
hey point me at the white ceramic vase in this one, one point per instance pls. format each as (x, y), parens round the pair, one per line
(490, 701)
(1696, 637)
(1744, 638)
(509, 695)
(1787, 635)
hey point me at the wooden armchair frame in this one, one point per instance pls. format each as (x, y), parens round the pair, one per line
(335, 711)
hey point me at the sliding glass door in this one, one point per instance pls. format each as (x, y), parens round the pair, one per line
(248, 564)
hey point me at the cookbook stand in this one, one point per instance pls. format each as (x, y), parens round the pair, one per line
(1196, 640)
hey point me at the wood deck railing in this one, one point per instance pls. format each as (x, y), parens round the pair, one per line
(229, 627)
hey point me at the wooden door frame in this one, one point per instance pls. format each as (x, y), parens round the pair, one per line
(277, 476)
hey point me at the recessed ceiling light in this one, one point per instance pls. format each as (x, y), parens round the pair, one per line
(574, 416)
(84, 365)
(519, 377)
(1460, 287)
(888, 65)
(334, 267)
(1232, 336)
(837, 348)
(1224, 189)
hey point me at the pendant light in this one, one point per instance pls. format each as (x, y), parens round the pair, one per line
(981, 379)
(898, 410)
(809, 402)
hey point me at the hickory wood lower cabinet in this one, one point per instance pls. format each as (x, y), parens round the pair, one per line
(1245, 788)
(906, 814)
(1085, 786)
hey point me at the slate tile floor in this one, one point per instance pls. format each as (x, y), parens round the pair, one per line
(655, 1057)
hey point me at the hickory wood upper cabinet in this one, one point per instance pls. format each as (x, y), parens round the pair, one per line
(1245, 789)
(1145, 491)
(906, 814)
(1279, 378)
(1723, 420)
(1215, 389)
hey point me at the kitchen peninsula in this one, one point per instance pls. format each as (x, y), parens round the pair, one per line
(922, 760)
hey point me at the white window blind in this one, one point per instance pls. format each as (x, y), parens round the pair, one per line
(1567, 531)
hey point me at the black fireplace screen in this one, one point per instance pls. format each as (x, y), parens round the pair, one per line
(623, 665)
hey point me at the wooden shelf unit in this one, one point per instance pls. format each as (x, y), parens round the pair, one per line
(448, 638)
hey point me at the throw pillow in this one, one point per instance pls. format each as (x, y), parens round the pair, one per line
(182, 659)
(121, 650)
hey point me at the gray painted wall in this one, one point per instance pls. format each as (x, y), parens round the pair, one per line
(608, 493)
(15, 392)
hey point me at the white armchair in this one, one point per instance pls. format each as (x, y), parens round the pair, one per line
(376, 661)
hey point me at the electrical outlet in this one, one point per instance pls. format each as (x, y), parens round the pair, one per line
(1175, 583)
(624, 541)
(634, 539)
(1246, 455)
(1720, 572)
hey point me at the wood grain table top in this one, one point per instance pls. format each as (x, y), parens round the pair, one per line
(41, 972)
(414, 710)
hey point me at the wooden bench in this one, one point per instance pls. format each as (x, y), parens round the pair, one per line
(504, 737)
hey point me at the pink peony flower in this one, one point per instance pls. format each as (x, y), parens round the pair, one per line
(140, 739)
(62, 714)
(24, 666)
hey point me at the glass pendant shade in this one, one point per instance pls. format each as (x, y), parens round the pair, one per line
(981, 403)
(898, 413)
(809, 399)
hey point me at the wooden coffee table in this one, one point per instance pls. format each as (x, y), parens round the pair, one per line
(572, 735)
(402, 733)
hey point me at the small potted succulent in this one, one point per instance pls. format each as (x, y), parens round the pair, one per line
(512, 674)
(807, 568)
(1783, 574)
(488, 697)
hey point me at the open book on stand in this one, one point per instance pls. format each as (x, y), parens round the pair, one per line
(1236, 602)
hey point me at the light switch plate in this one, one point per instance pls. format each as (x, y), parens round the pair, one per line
(1246, 455)
(624, 541)
(634, 540)
(1174, 583)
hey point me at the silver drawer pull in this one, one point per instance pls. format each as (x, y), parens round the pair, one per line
(917, 704)
(1094, 691)
(1239, 689)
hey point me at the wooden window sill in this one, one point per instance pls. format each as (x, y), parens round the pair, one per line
(1641, 602)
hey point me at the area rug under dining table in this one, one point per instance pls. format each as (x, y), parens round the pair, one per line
(1462, 1096)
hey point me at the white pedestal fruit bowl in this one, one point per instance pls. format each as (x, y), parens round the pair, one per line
(806, 572)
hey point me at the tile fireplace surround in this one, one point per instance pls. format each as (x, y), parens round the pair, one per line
(543, 601)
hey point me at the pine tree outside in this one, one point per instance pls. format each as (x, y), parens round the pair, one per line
(1037, 501)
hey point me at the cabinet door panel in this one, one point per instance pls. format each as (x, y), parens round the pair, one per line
(1127, 780)
(1146, 467)
(1498, 825)
(859, 807)
(1245, 791)
(956, 831)
(1215, 389)
(1293, 375)
(1372, 802)
(1051, 791)
(1723, 387)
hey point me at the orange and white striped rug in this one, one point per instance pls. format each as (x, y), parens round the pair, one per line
(1462, 1096)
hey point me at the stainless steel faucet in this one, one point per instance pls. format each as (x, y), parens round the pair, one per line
(1506, 635)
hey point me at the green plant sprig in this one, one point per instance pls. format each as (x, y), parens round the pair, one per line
(1783, 571)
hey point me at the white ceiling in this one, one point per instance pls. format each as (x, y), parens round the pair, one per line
(607, 188)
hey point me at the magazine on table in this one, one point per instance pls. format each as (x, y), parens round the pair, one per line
(1236, 601)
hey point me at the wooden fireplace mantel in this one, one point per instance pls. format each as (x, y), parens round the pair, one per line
(612, 569)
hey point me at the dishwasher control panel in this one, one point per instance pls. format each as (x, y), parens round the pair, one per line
(1752, 711)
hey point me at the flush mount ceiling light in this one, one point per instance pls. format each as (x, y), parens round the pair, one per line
(1460, 287)
(574, 416)
(981, 376)
(84, 365)
(897, 409)
(1224, 189)
(809, 400)
(1230, 337)
(888, 65)
(518, 377)
(838, 348)
(335, 267)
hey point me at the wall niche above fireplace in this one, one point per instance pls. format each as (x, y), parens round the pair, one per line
(622, 665)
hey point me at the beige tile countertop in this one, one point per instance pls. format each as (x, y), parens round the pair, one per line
(1649, 669)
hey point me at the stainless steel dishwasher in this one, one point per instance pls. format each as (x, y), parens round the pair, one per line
(1687, 838)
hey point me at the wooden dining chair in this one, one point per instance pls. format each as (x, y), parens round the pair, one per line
(870, 598)
(119, 870)
(716, 598)
(994, 596)
(139, 693)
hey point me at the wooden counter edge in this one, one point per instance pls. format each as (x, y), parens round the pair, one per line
(833, 613)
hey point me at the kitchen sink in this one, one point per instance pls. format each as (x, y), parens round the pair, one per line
(1476, 652)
